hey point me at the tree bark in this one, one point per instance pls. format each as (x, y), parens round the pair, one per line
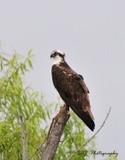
(24, 138)
(55, 133)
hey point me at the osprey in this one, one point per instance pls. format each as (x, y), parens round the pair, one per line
(72, 88)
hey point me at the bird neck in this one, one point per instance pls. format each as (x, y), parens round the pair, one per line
(57, 60)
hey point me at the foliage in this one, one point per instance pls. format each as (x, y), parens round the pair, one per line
(24, 111)
(112, 157)
(16, 100)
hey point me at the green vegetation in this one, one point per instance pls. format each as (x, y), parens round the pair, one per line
(20, 109)
(24, 117)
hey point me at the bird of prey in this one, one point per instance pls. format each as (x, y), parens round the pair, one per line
(72, 88)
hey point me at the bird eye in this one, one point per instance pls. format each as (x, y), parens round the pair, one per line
(55, 54)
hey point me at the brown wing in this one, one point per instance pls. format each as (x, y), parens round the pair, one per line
(86, 103)
(74, 92)
(82, 83)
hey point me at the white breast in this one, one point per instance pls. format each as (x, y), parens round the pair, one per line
(57, 60)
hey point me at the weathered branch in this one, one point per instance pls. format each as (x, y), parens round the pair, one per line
(92, 136)
(55, 133)
(24, 138)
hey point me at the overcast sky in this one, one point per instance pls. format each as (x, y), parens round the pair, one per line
(92, 35)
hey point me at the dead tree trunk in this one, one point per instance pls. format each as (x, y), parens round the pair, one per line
(55, 133)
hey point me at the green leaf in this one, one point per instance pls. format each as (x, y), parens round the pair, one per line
(30, 63)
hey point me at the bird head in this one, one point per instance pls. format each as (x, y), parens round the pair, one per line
(57, 56)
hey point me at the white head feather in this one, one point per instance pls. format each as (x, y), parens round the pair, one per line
(57, 58)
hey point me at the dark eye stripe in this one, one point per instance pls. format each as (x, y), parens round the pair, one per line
(56, 53)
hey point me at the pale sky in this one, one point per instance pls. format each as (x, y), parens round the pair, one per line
(92, 35)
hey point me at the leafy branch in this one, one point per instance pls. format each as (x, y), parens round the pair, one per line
(24, 119)
(92, 136)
